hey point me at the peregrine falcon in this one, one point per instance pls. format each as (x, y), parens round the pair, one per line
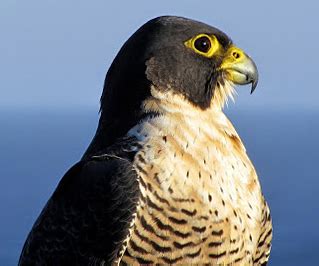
(166, 179)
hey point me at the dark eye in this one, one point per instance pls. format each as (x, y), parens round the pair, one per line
(202, 44)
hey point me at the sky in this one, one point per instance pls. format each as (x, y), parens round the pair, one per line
(54, 54)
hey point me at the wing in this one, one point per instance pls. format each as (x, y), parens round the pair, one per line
(87, 217)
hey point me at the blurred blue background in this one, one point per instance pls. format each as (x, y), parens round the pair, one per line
(53, 59)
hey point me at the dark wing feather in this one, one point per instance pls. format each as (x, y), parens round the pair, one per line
(87, 217)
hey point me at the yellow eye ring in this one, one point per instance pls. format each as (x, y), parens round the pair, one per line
(203, 44)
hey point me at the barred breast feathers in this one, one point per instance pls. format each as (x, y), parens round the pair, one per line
(195, 155)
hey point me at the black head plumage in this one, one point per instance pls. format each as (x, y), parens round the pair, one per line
(156, 55)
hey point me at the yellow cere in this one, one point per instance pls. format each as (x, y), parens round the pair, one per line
(233, 55)
(213, 42)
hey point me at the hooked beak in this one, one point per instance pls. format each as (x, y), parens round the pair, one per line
(240, 68)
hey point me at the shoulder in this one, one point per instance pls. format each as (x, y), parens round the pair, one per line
(88, 215)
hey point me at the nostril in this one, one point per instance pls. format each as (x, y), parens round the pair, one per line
(236, 55)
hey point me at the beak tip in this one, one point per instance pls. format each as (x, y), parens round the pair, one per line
(253, 87)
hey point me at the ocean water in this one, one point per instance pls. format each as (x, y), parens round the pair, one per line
(38, 146)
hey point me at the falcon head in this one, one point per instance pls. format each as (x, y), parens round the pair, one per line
(173, 56)
(195, 60)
